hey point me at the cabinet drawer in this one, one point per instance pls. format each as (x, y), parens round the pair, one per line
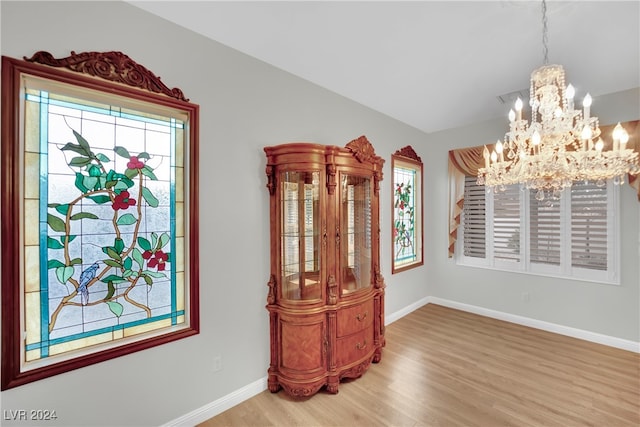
(354, 319)
(354, 347)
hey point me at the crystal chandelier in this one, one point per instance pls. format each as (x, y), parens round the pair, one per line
(561, 145)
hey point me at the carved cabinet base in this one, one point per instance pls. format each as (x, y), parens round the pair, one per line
(326, 293)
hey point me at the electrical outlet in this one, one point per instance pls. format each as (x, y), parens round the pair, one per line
(217, 363)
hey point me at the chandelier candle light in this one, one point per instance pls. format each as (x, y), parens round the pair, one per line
(561, 145)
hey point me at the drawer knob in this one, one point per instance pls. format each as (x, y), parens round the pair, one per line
(361, 346)
(361, 317)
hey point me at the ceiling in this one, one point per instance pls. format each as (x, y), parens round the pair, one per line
(431, 64)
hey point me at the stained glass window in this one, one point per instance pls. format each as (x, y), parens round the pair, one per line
(407, 210)
(103, 226)
(98, 211)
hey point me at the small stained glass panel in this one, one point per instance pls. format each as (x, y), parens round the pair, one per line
(406, 210)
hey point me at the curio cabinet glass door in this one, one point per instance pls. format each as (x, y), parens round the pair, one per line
(300, 235)
(355, 226)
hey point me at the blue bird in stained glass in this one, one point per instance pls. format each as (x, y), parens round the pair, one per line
(85, 277)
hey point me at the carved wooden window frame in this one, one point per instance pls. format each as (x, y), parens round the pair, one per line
(406, 166)
(115, 80)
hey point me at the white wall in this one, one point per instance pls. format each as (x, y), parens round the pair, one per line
(245, 105)
(598, 308)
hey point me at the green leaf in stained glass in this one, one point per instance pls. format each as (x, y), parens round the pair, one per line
(69, 238)
(80, 161)
(110, 290)
(94, 171)
(155, 274)
(113, 254)
(122, 152)
(113, 278)
(56, 223)
(100, 199)
(64, 273)
(54, 263)
(147, 171)
(75, 261)
(149, 197)
(80, 182)
(83, 215)
(83, 143)
(120, 186)
(164, 239)
(112, 263)
(75, 148)
(144, 155)
(62, 209)
(128, 182)
(53, 244)
(126, 219)
(118, 244)
(144, 243)
(102, 158)
(137, 257)
(115, 307)
(127, 263)
(89, 181)
(130, 173)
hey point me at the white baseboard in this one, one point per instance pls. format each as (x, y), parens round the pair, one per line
(408, 309)
(540, 324)
(218, 406)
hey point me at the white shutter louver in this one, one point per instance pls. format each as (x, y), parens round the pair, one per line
(589, 226)
(474, 219)
(506, 224)
(544, 230)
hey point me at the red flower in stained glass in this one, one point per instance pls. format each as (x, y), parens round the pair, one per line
(134, 163)
(156, 259)
(122, 201)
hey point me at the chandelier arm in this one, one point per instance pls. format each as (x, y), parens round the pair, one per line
(545, 36)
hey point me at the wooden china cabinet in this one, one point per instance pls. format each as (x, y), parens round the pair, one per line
(326, 293)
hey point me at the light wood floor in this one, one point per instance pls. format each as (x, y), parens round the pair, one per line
(444, 367)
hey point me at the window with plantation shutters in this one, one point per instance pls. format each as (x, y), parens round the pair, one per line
(589, 239)
(573, 237)
(544, 231)
(474, 219)
(506, 224)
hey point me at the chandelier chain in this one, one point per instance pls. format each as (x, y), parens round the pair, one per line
(545, 37)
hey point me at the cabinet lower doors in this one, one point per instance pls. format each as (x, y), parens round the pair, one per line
(317, 350)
